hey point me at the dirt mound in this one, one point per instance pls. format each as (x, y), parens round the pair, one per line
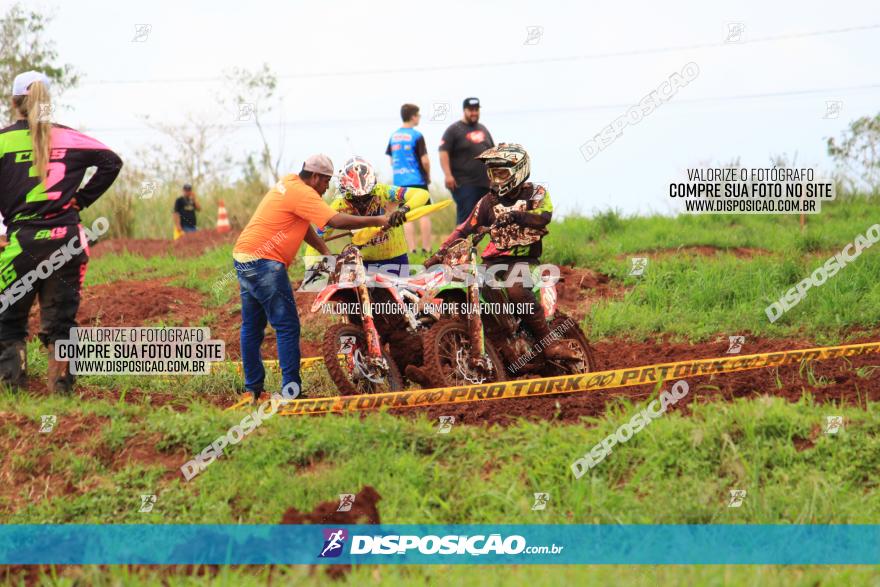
(141, 450)
(133, 303)
(363, 511)
(30, 472)
(189, 245)
(852, 380)
(24, 574)
(26, 471)
(579, 288)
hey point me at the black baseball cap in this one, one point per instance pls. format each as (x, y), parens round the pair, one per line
(187, 186)
(471, 103)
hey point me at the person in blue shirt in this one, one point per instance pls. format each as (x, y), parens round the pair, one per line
(411, 168)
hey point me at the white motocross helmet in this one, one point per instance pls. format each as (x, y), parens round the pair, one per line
(357, 178)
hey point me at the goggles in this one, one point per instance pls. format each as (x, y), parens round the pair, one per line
(498, 174)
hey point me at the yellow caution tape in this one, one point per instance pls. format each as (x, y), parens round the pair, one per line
(238, 404)
(649, 374)
(272, 365)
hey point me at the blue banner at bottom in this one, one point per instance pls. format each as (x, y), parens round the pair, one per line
(439, 544)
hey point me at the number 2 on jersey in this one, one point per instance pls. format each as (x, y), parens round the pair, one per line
(54, 173)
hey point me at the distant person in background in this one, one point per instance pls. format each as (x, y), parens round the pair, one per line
(460, 146)
(42, 167)
(411, 168)
(185, 208)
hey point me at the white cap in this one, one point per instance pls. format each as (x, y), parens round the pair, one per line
(23, 80)
(319, 164)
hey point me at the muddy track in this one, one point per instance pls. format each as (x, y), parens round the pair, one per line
(852, 381)
(189, 245)
(133, 303)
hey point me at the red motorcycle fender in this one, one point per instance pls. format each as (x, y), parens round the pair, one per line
(324, 296)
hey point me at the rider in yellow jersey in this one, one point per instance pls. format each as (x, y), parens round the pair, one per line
(363, 196)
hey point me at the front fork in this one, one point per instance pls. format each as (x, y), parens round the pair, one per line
(374, 345)
(478, 356)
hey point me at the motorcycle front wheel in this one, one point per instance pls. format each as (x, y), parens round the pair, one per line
(447, 346)
(349, 365)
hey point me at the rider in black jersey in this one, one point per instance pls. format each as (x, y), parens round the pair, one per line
(42, 166)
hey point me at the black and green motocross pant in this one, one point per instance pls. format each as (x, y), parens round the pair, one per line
(48, 264)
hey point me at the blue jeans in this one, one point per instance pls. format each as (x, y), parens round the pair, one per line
(188, 228)
(266, 295)
(466, 198)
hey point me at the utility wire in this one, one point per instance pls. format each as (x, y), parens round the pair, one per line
(620, 105)
(547, 60)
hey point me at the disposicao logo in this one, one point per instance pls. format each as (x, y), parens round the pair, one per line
(334, 540)
(450, 544)
(444, 545)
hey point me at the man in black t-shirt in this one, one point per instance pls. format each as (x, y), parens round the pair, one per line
(466, 175)
(185, 208)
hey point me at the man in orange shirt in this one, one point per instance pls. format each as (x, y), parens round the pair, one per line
(262, 254)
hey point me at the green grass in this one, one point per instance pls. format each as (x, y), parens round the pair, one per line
(678, 470)
(195, 272)
(592, 241)
(695, 297)
(488, 475)
(484, 576)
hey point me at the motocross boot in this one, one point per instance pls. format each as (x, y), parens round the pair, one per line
(60, 379)
(559, 351)
(13, 363)
(418, 375)
(552, 349)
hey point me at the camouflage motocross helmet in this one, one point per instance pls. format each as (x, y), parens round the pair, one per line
(507, 166)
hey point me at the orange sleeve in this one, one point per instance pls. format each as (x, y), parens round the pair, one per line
(307, 204)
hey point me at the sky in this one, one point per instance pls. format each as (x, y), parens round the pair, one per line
(346, 67)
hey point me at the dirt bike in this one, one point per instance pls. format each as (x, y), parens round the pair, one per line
(476, 347)
(362, 355)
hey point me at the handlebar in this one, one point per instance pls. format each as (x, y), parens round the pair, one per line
(479, 234)
(336, 236)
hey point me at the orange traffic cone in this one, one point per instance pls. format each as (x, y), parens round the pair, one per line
(222, 218)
